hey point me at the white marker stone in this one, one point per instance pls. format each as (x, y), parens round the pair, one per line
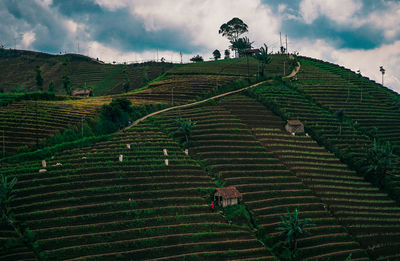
(166, 162)
(186, 151)
(128, 146)
(121, 158)
(165, 152)
(44, 163)
(42, 170)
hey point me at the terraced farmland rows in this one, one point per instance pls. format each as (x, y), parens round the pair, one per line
(93, 207)
(236, 67)
(368, 214)
(325, 125)
(25, 121)
(227, 147)
(368, 104)
(23, 126)
(180, 89)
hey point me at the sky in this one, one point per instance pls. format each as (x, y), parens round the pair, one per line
(358, 34)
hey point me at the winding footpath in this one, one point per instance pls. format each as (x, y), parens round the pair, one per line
(291, 75)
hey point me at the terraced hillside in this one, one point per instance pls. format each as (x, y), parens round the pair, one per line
(26, 121)
(367, 213)
(17, 68)
(280, 65)
(367, 104)
(227, 147)
(93, 207)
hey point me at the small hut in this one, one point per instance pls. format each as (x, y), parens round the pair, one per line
(294, 127)
(83, 93)
(227, 196)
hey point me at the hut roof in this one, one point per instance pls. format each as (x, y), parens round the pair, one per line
(81, 92)
(294, 122)
(229, 192)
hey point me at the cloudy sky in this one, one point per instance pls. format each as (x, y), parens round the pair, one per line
(359, 34)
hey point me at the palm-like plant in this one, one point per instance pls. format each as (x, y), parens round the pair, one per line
(379, 159)
(264, 58)
(186, 128)
(292, 228)
(241, 44)
(6, 195)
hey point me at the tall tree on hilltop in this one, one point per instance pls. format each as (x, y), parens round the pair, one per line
(216, 54)
(233, 29)
(264, 58)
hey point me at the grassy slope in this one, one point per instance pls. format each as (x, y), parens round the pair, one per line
(22, 129)
(18, 68)
(226, 143)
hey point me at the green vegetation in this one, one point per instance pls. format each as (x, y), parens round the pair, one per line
(6, 195)
(135, 194)
(379, 160)
(265, 58)
(216, 54)
(185, 128)
(197, 58)
(292, 229)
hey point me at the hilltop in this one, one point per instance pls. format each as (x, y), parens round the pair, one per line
(89, 203)
(17, 68)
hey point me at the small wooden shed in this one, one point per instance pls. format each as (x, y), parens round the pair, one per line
(227, 196)
(294, 126)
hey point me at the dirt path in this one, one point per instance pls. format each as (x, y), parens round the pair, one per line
(292, 74)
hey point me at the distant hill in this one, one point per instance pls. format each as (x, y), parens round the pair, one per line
(17, 68)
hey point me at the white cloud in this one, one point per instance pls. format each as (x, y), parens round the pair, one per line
(109, 54)
(340, 11)
(113, 4)
(27, 39)
(202, 19)
(387, 20)
(368, 61)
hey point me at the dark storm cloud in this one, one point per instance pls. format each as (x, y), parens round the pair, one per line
(120, 29)
(18, 17)
(363, 37)
(340, 35)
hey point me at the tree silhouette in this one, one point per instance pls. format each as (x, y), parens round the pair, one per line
(227, 54)
(233, 29)
(241, 44)
(216, 54)
(264, 58)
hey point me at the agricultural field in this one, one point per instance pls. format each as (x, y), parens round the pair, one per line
(137, 194)
(233, 156)
(238, 67)
(91, 206)
(28, 122)
(370, 106)
(367, 213)
(102, 78)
